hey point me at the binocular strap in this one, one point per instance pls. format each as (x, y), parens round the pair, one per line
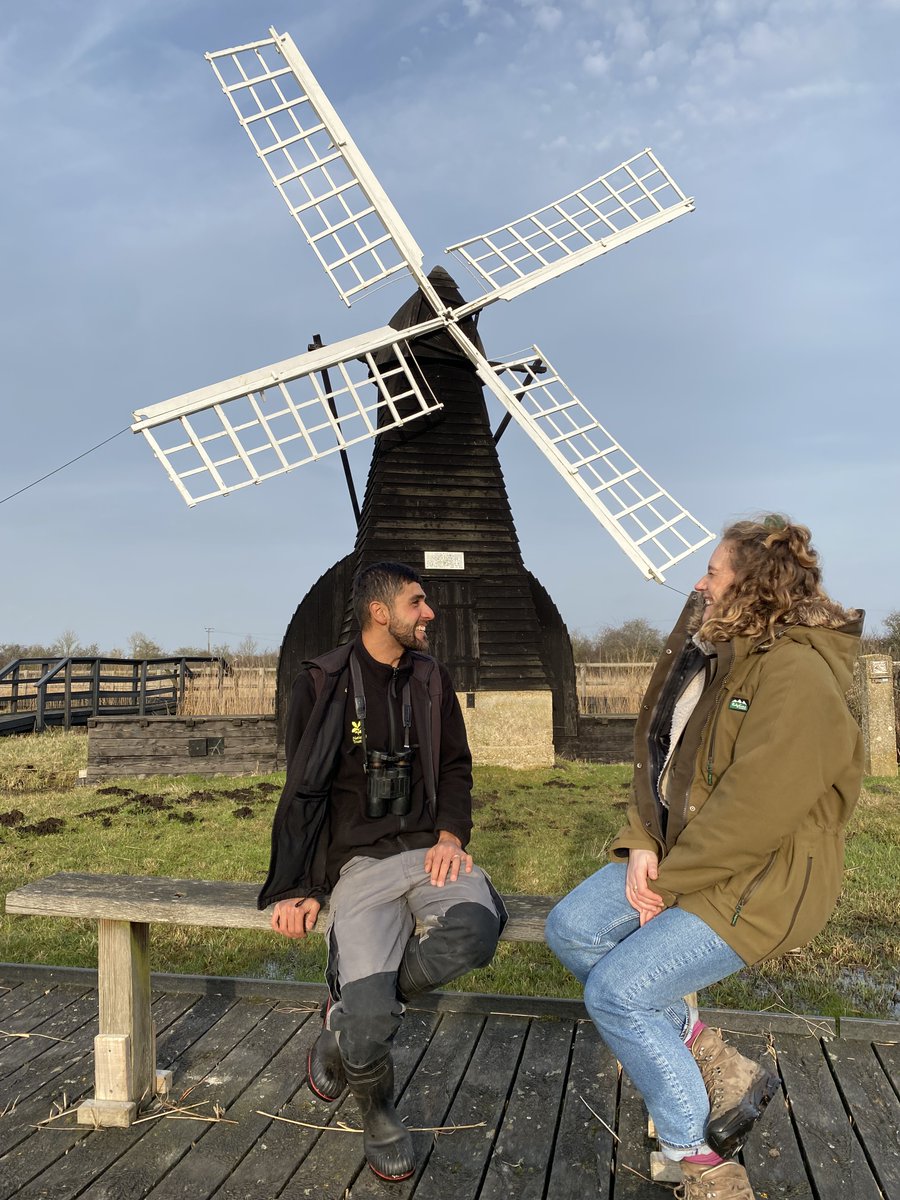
(359, 699)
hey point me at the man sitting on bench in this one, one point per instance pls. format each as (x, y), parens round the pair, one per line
(376, 811)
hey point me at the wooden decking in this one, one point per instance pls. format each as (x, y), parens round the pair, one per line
(540, 1109)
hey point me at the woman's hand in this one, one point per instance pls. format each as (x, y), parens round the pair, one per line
(643, 865)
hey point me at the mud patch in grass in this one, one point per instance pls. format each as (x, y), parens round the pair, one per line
(42, 828)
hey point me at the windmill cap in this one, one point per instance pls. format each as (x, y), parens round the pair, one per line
(417, 309)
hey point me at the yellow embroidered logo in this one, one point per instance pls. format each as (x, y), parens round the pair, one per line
(356, 732)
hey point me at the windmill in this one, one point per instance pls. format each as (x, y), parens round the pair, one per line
(415, 386)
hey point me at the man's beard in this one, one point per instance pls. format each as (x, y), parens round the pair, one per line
(406, 636)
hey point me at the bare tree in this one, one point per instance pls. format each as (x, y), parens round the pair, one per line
(140, 646)
(65, 644)
(632, 641)
(247, 647)
(892, 632)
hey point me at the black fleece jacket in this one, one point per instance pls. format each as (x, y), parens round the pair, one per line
(311, 841)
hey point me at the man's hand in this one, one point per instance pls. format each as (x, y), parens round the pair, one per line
(642, 866)
(443, 860)
(295, 918)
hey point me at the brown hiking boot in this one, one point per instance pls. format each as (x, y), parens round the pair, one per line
(738, 1089)
(727, 1181)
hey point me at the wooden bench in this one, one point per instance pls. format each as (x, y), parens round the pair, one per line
(125, 906)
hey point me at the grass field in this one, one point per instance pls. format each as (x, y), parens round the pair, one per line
(539, 831)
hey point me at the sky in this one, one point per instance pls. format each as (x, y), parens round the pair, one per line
(745, 354)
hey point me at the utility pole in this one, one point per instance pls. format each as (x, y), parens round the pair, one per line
(209, 629)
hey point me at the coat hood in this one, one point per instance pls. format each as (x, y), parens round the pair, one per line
(838, 646)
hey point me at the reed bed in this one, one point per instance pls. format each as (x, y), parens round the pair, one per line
(611, 688)
(602, 688)
(242, 691)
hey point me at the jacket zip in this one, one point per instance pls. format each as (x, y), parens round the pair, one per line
(712, 733)
(392, 726)
(803, 890)
(673, 685)
(752, 886)
(712, 715)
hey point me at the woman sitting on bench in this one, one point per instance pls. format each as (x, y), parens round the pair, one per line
(748, 765)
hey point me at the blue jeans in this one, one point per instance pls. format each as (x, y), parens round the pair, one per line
(634, 980)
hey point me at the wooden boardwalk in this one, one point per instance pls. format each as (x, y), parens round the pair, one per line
(541, 1108)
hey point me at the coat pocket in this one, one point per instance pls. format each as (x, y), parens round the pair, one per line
(751, 887)
(785, 943)
(817, 876)
(784, 902)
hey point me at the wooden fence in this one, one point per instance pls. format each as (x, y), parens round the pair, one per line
(36, 692)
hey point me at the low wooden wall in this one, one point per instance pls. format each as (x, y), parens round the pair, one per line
(182, 746)
(602, 739)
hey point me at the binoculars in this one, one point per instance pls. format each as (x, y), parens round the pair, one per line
(388, 784)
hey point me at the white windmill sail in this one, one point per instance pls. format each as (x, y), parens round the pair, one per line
(218, 439)
(331, 191)
(653, 529)
(631, 199)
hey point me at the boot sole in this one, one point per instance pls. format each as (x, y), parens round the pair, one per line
(392, 1178)
(312, 1086)
(728, 1132)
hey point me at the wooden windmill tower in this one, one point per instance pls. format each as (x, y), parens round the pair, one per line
(435, 495)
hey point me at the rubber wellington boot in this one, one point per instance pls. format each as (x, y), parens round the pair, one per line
(727, 1181)
(386, 1140)
(324, 1066)
(738, 1089)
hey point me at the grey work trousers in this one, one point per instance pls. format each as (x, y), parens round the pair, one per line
(376, 960)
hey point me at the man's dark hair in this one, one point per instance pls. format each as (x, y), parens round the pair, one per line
(381, 581)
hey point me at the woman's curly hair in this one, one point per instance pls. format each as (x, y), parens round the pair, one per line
(778, 581)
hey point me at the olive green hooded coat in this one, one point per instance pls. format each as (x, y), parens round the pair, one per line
(760, 787)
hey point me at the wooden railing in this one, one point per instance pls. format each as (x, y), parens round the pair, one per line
(35, 692)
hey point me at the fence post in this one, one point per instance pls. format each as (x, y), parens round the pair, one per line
(875, 681)
(39, 706)
(67, 698)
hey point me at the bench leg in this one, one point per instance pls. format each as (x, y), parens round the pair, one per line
(664, 1170)
(124, 1051)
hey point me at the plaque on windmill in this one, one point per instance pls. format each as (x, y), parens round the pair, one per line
(444, 560)
(415, 388)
